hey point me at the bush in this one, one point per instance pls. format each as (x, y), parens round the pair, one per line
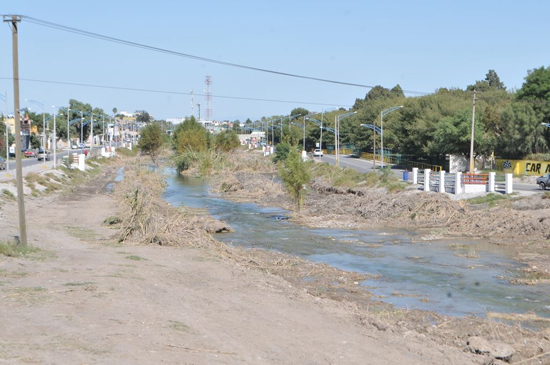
(282, 152)
(191, 136)
(184, 161)
(151, 140)
(295, 175)
(227, 141)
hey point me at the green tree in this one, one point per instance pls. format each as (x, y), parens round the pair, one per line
(295, 174)
(143, 116)
(237, 126)
(491, 82)
(521, 131)
(151, 140)
(226, 141)
(299, 111)
(191, 136)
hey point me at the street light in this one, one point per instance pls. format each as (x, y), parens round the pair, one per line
(5, 99)
(337, 134)
(322, 119)
(43, 121)
(382, 113)
(54, 140)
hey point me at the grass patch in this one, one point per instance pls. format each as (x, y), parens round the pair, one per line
(79, 283)
(127, 152)
(491, 199)
(84, 234)
(349, 178)
(8, 194)
(112, 221)
(179, 326)
(12, 249)
(136, 258)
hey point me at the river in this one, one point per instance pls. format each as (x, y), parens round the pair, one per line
(451, 276)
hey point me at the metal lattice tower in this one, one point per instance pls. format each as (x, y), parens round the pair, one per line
(209, 113)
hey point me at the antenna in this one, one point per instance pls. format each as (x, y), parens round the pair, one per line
(209, 113)
(192, 104)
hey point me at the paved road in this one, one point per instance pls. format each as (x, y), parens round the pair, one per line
(357, 164)
(364, 166)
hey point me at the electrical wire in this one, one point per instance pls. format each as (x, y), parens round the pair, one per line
(173, 92)
(190, 56)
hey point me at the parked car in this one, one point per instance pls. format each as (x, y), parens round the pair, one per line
(81, 146)
(2, 163)
(29, 153)
(43, 155)
(544, 181)
(318, 153)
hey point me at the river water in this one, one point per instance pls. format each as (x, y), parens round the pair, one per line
(452, 276)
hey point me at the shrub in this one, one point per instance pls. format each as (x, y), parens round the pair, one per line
(295, 175)
(151, 140)
(227, 141)
(282, 152)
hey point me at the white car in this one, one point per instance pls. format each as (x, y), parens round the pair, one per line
(318, 153)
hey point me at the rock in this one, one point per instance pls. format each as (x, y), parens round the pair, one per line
(498, 350)
(216, 226)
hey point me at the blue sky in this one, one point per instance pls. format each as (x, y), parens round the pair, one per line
(421, 45)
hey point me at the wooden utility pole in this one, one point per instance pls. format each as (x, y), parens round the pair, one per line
(14, 19)
(472, 137)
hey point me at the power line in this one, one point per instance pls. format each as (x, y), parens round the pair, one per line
(190, 56)
(173, 92)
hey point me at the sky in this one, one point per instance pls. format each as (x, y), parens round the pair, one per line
(420, 45)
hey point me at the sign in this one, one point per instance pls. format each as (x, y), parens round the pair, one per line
(524, 167)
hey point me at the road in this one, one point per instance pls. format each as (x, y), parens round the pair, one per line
(364, 166)
(357, 164)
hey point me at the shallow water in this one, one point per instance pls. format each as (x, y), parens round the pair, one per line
(411, 270)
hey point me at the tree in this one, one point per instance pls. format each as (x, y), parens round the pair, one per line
(536, 89)
(491, 83)
(115, 110)
(237, 126)
(299, 111)
(191, 136)
(295, 174)
(227, 141)
(151, 140)
(143, 116)
(521, 131)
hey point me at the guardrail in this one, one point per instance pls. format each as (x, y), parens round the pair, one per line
(475, 179)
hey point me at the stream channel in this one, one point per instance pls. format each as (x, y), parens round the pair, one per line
(432, 275)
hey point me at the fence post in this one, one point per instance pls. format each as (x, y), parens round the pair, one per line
(427, 179)
(509, 182)
(442, 181)
(491, 186)
(458, 182)
(415, 175)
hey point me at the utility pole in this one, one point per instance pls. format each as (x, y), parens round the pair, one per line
(304, 139)
(335, 140)
(14, 19)
(374, 146)
(472, 137)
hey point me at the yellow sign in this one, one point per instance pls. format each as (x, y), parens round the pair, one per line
(524, 167)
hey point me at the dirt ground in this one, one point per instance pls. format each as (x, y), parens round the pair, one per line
(86, 299)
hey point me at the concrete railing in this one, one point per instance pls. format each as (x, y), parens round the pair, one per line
(463, 183)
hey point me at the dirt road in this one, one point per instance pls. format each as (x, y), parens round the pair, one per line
(84, 299)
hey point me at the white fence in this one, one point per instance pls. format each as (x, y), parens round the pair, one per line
(458, 183)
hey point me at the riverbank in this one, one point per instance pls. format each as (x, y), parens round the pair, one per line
(86, 298)
(517, 222)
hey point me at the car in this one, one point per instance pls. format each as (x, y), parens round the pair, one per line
(43, 155)
(544, 181)
(81, 146)
(318, 153)
(29, 153)
(2, 163)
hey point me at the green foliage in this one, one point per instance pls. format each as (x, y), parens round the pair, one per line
(12, 249)
(127, 152)
(491, 199)
(299, 111)
(143, 116)
(491, 82)
(282, 152)
(295, 174)
(151, 140)
(536, 89)
(191, 136)
(226, 141)
(185, 160)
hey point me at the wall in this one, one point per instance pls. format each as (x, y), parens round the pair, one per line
(523, 167)
(459, 163)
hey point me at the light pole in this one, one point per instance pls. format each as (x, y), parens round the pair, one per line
(81, 127)
(382, 114)
(103, 134)
(43, 121)
(304, 138)
(322, 119)
(5, 99)
(68, 131)
(337, 134)
(54, 140)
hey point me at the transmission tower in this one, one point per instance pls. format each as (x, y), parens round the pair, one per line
(209, 113)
